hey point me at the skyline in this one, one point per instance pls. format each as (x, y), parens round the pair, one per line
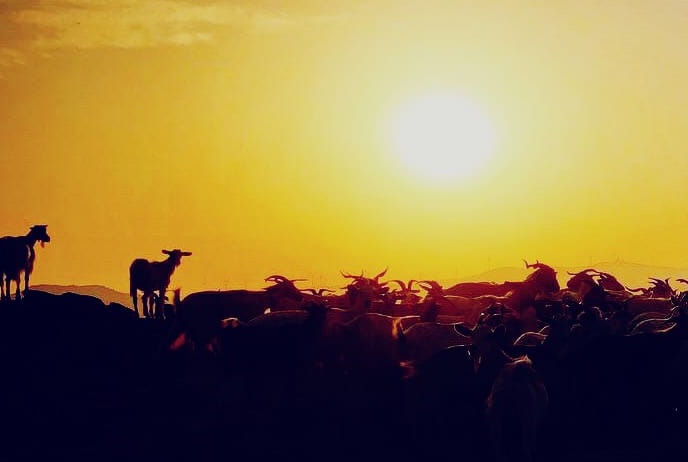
(253, 134)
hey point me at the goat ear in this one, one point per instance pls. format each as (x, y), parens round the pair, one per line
(166, 252)
(186, 254)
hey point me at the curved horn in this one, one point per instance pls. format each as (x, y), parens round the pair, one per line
(685, 281)
(656, 281)
(351, 276)
(410, 285)
(537, 264)
(402, 285)
(380, 275)
(433, 284)
(276, 278)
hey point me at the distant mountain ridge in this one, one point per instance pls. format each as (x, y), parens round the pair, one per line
(106, 294)
(628, 273)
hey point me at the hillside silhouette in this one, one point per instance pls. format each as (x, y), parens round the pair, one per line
(628, 273)
(106, 294)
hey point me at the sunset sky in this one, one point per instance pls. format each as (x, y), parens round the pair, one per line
(256, 135)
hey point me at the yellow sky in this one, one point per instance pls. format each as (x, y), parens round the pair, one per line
(253, 134)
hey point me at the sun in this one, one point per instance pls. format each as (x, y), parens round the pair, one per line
(443, 136)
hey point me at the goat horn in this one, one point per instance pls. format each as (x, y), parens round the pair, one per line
(380, 275)
(537, 264)
(351, 276)
(410, 285)
(276, 278)
(401, 283)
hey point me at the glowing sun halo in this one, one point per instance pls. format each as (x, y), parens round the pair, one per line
(443, 136)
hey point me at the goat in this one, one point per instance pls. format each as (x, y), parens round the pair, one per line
(199, 316)
(149, 276)
(659, 289)
(458, 308)
(609, 282)
(17, 256)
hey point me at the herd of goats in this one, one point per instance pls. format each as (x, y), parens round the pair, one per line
(506, 337)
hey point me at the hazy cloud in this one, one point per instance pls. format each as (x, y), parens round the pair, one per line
(10, 57)
(59, 24)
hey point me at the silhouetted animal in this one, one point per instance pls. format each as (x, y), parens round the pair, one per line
(17, 256)
(542, 281)
(364, 292)
(659, 289)
(199, 316)
(515, 407)
(150, 276)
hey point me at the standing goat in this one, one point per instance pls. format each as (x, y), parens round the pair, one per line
(17, 256)
(149, 276)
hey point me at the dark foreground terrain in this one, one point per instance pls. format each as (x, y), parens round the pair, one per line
(85, 381)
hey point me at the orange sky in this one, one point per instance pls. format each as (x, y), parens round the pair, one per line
(253, 134)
